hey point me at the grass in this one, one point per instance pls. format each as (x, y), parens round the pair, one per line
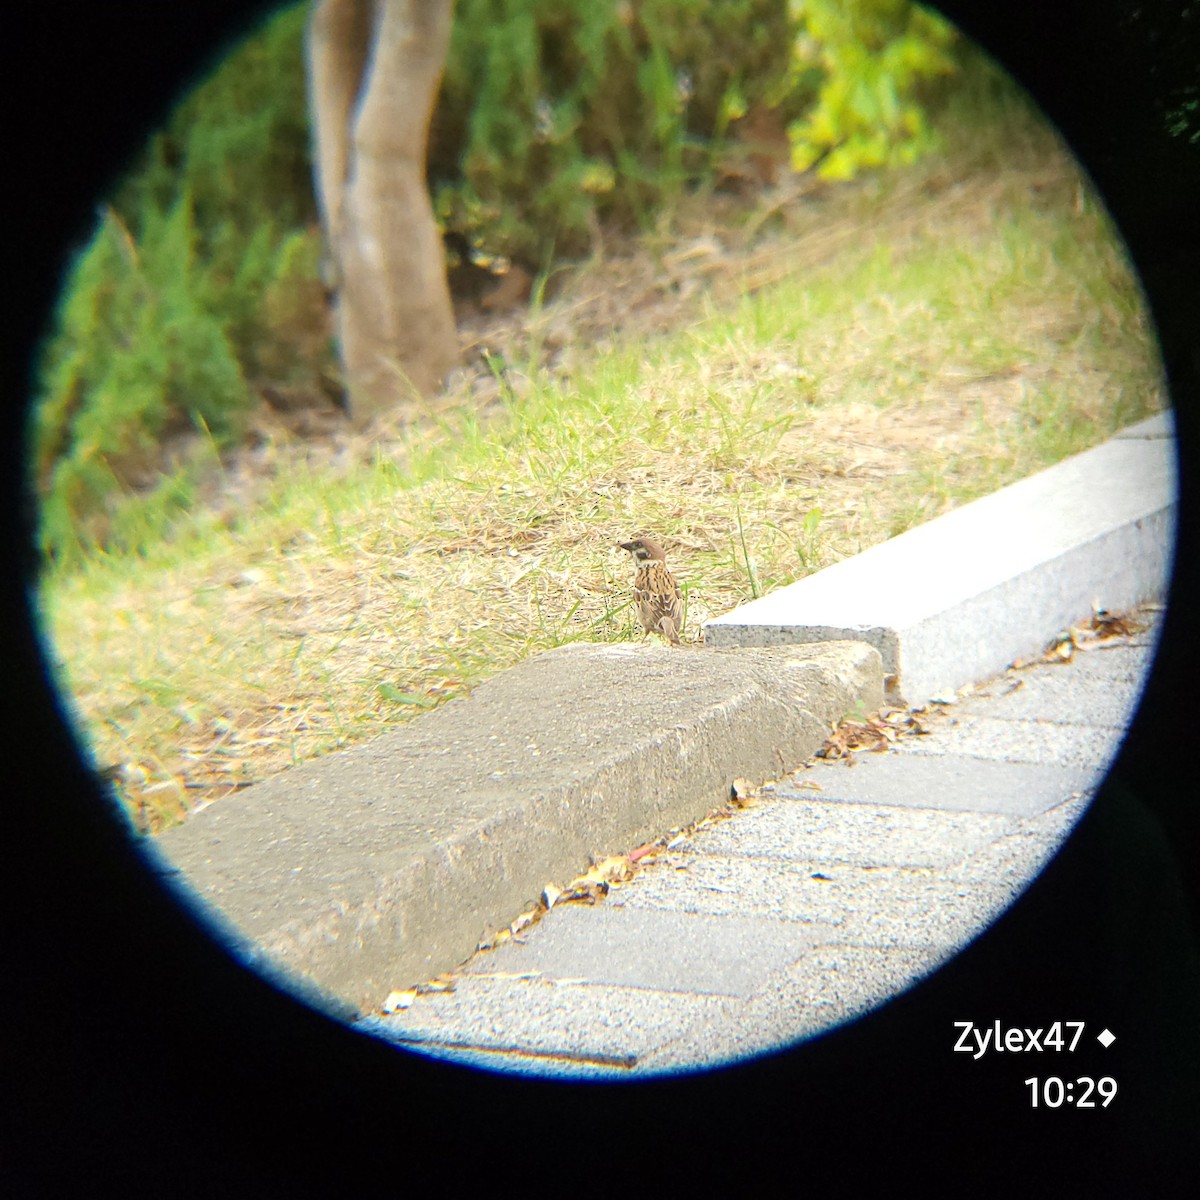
(770, 390)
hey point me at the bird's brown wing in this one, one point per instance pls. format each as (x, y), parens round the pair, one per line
(659, 602)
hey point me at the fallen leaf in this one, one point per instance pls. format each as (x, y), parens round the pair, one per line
(1063, 649)
(587, 892)
(399, 1000)
(742, 790)
(441, 983)
(850, 736)
(395, 696)
(605, 871)
(523, 921)
(1104, 625)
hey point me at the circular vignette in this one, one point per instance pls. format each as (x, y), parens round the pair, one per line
(142, 1048)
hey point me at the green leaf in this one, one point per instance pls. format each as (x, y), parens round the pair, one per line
(398, 697)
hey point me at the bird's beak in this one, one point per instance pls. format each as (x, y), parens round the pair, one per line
(626, 546)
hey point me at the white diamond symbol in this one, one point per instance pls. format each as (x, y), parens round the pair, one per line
(1106, 1039)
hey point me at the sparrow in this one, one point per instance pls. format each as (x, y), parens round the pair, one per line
(655, 592)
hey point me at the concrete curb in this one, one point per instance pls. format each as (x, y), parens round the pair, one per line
(384, 866)
(961, 597)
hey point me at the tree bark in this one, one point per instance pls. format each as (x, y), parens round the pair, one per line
(374, 71)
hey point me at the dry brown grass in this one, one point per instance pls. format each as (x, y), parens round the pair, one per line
(769, 390)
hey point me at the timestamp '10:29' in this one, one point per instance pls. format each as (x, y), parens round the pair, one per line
(1053, 1092)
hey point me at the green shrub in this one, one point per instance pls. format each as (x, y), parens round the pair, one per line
(200, 280)
(552, 115)
(870, 58)
(138, 355)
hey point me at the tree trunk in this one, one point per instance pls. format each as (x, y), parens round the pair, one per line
(374, 70)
